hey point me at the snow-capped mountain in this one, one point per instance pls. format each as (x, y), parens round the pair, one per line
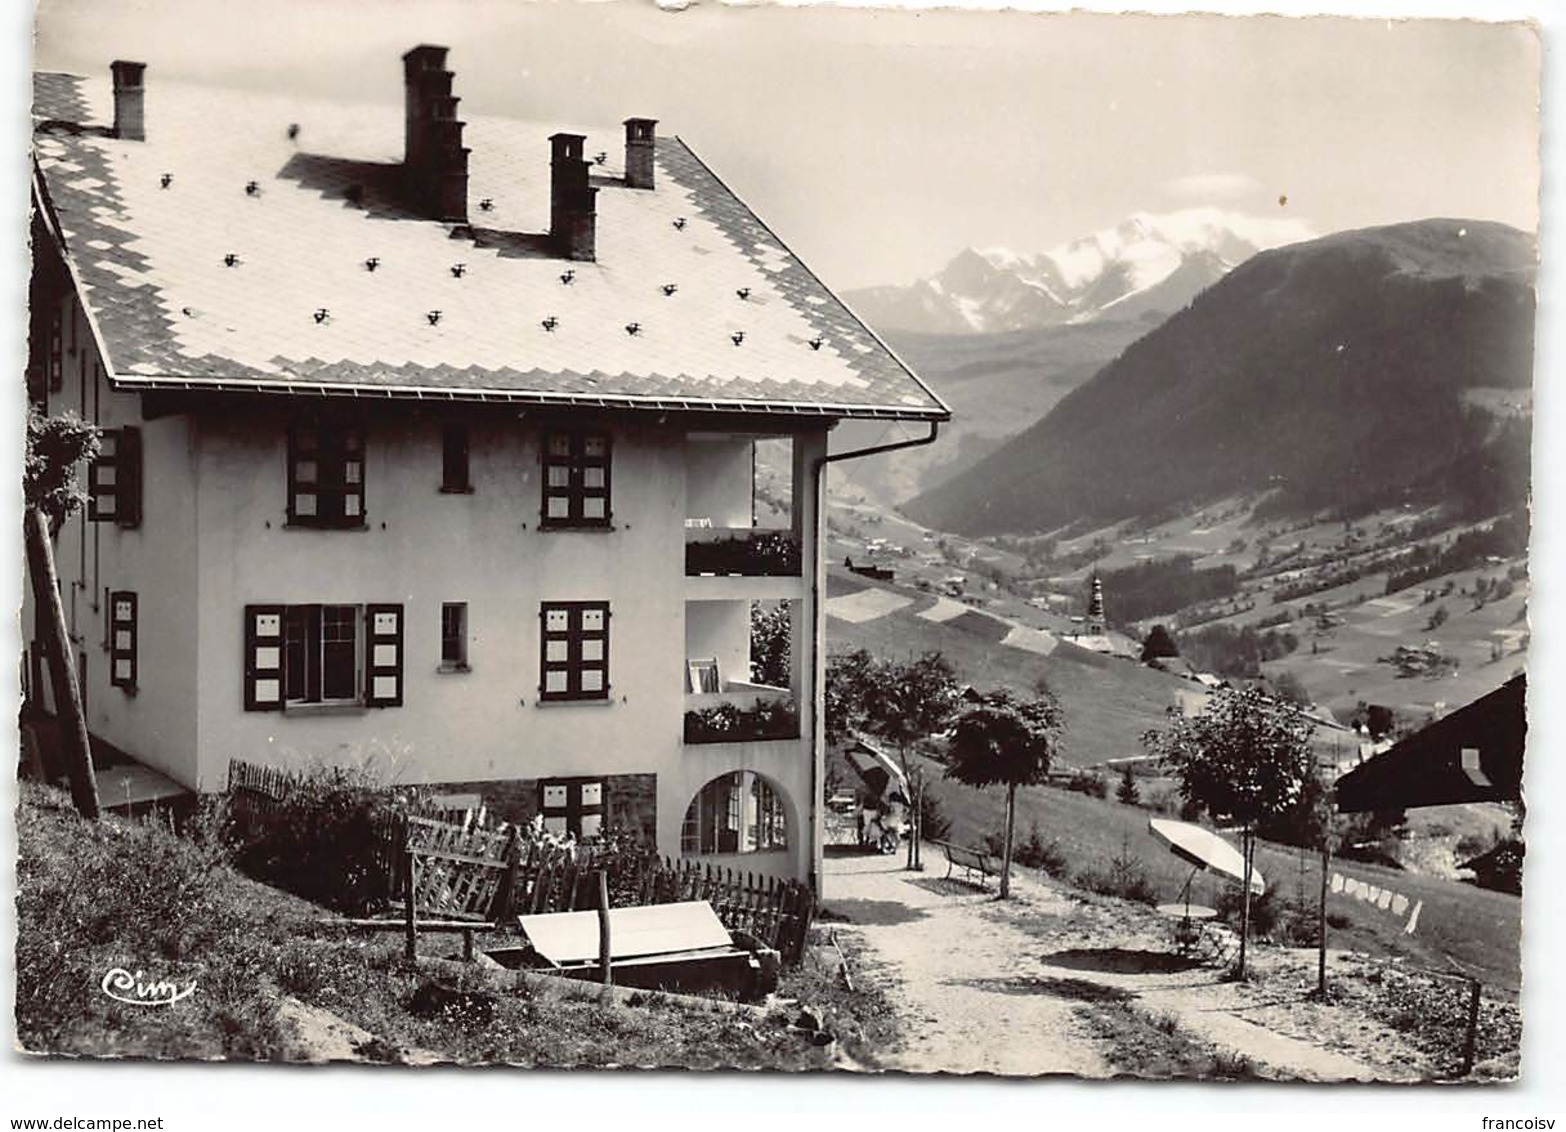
(1146, 264)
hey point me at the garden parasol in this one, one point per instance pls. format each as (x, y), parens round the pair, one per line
(1204, 849)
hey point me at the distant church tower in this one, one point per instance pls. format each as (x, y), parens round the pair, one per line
(1095, 612)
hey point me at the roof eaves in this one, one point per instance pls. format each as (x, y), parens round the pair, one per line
(289, 387)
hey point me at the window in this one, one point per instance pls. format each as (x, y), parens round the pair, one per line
(114, 479)
(576, 479)
(322, 654)
(572, 805)
(734, 813)
(575, 645)
(326, 475)
(122, 640)
(454, 474)
(454, 636)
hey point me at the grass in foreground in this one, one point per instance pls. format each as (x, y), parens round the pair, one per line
(94, 896)
(1156, 1047)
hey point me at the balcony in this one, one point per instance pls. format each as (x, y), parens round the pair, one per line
(745, 552)
(741, 713)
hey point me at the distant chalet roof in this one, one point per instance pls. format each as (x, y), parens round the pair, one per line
(194, 278)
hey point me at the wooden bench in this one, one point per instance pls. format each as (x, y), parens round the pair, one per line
(970, 860)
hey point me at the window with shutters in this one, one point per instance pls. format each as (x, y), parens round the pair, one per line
(576, 480)
(454, 472)
(114, 479)
(323, 654)
(326, 475)
(572, 805)
(122, 640)
(575, 647)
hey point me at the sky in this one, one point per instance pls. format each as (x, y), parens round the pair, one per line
(879, 143)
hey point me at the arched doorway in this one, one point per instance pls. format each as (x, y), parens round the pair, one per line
(735, 813)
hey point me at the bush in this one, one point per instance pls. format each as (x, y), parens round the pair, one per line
(1036, 853)
(1126, 879)
(1264, 910)
(1089, 783)
(331, 838)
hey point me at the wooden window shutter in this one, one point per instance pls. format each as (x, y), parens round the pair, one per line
(383, 647)
(122, 640)
(103, 480)
(263, 658)
(128, 466)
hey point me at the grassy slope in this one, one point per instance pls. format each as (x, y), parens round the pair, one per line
(115, 893)
(1108, 703)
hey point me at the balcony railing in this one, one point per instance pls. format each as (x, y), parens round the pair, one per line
(720, 718)
(744, 551)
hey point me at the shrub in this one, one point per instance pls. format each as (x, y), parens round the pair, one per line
(1089, 783)
(1036, 853)
(1126, 879)
(331, 838)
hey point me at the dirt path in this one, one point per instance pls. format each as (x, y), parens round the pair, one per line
(962, 991)
(987, 987)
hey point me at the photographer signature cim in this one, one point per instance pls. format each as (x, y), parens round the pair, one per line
(138, 990)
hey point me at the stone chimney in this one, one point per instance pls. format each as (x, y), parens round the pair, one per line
(641, 139)
(573, 213)
(435, 163)
(130, 114)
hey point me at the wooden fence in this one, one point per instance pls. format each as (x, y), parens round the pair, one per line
(466, 872)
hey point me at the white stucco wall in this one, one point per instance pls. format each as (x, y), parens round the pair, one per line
(156, 561)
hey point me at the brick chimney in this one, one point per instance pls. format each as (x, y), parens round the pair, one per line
(641, 138)
(573, 213)
(435, 163)
(130, 114)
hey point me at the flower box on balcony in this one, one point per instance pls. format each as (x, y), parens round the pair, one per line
(764, 553)
(730, 723)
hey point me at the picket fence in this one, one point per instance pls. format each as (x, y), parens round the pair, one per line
(467, 872)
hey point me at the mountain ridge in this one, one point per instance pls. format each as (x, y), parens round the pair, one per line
(1146, 263)
(1330, 373)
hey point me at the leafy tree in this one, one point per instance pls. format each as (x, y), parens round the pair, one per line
(1244, 760)
(771, 644)
(1006, 740)
(55, 446)
(1289, 688)
(1437, 619)
(1159, 644)
(900, 702)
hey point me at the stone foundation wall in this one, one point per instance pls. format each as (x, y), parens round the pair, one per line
(630, 800)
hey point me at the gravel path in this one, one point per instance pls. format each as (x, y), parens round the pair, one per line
(991, 987)
(961, 988)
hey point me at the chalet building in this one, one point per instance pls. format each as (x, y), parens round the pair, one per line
(466, 444)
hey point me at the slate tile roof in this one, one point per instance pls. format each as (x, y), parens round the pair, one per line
(224, 253)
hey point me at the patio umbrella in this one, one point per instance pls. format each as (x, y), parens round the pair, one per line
(1204, 849)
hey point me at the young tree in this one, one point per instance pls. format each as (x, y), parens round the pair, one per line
(55, 446)
(1003, 739)
(1243, 759)
(1127, 792)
